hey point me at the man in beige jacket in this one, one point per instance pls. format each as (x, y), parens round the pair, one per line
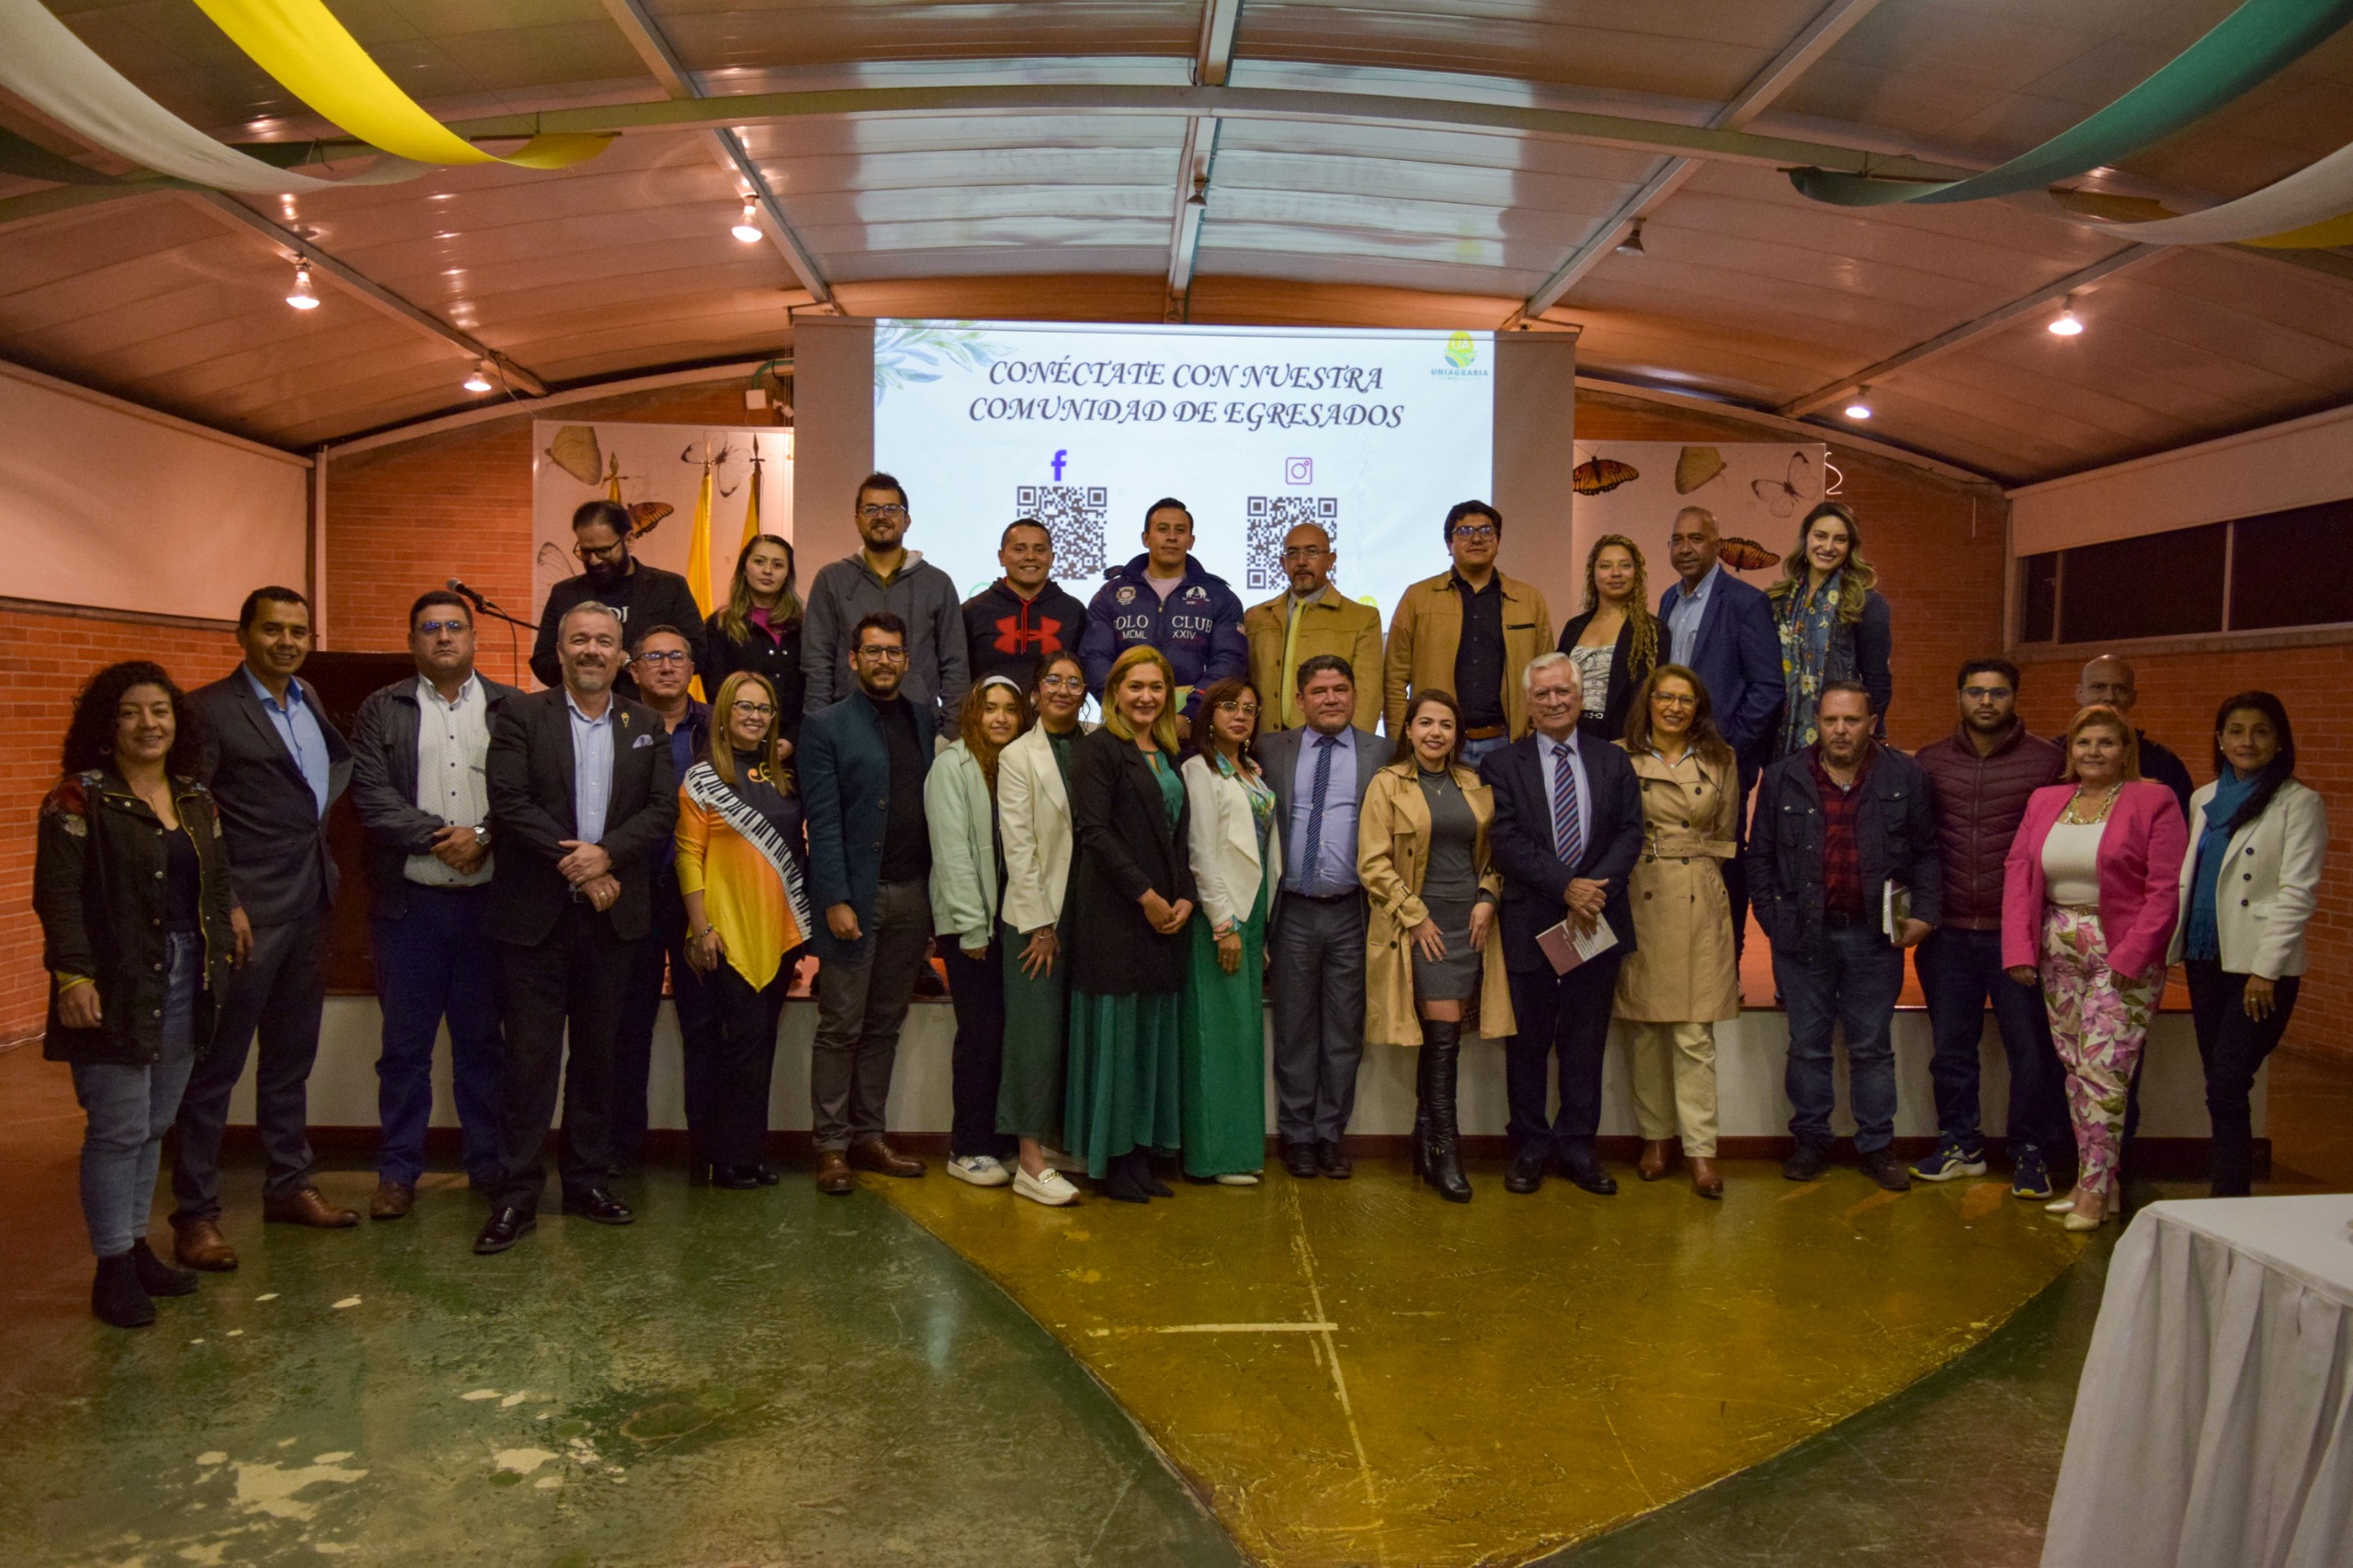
(1315, 617)
(1472, 631)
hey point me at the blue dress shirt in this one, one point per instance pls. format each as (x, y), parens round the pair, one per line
(1688, 609)
(298, 727)
(592, 769)
(1335, 871)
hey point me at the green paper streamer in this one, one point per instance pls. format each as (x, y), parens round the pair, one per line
(2247, 47)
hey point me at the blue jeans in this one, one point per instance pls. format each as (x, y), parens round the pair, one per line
(1959, 972)
(130, 1108)
(1852, 978)
(431, 964)
(1474, 752)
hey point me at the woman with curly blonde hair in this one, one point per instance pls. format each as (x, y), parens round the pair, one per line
(1614, 644)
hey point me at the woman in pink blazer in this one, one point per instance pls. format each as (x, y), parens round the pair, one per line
(2089, 896)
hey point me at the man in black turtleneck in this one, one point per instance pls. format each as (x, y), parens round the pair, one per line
(862, 765)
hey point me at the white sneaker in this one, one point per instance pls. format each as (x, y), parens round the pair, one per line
(981, 1170)
(1238, 1179)
(1048, 1188)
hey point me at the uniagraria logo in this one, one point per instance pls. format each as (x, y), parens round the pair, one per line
(1461, 354)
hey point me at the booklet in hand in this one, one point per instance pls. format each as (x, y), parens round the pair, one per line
(1568, 948)
(1895, 908)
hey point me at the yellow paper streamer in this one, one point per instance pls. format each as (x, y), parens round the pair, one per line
(314, 57)
(2126, 211)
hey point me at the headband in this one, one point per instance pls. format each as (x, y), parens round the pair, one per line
(1006, 681)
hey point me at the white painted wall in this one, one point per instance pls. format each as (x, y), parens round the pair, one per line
(1749, 1055)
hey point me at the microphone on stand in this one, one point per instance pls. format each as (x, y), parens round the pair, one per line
(472, 597)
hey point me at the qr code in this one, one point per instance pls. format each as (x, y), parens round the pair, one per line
(1270, 517)
(1074, 515)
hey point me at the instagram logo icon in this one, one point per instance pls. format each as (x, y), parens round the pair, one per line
(1299, 470)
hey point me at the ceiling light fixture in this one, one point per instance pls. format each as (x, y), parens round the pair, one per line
(747, 228)
(1857, 406)
(2066, 323)
(1633, 243)
(1200, 197)
(302, 298)
(480, 380)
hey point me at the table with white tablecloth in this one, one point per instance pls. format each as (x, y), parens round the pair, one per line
(2213, 1427)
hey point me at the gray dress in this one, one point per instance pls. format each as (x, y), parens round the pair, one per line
(1449, 890)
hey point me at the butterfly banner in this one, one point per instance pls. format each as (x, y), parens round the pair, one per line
(1758, 491)
(657, 471)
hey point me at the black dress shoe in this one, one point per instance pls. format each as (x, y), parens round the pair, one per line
(735, 1178)
(599, 1205)
(769, 1174)
(1587, 1174)
(1331, 1160)
(1298, 1159)
(507, 1224)
(1148, 1179)
(1527, 1170)
(1806, 1163)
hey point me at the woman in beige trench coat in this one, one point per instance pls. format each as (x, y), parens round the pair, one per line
(1680, 980)
(1433, 963)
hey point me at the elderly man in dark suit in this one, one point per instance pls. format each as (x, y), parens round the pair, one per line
(275, 765)
(863, 765)
(1567, 831)
(1316, 950)
(581, 789)
(1721, 630)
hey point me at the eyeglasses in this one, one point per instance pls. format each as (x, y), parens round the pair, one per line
(666, 656)
(1985, 693)
(757, 710)
(883, 511)
(1248, 711)
(436, 628)
(888, 655)
(1063, 683)
(1311, 552)
(1673, 699)
(610, 553)
(1477, 533)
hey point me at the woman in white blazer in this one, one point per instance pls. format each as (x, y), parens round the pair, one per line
(2248, 886)
(1034, 827)
(1237, 860)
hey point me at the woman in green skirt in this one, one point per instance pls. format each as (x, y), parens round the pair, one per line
(1131, 894)
(1237, 857)
(1034, 824)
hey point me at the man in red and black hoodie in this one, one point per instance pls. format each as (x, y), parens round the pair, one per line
(1024, 615)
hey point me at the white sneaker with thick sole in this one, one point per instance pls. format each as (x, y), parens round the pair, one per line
(1048, 1188)
(981, 1170)
(1238, 1179)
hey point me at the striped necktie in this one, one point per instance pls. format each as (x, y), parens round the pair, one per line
(1568, 828)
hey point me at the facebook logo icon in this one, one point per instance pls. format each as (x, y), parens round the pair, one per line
(1061, 459)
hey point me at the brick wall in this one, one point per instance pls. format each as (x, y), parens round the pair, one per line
(44, 660)
(2178, 691)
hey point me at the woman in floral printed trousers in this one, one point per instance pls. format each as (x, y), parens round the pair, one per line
(2089, 902)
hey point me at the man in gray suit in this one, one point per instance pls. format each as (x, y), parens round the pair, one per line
(275, 765)
(1315, 952)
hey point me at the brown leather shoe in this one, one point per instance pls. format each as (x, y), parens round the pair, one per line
(1656, 1152)
(308, 1207)
(394, 1199)
(877, 1155)
(833, 1173)
(1706, 1180)
(199, 1243)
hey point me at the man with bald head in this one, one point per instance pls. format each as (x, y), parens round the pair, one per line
(1722, 628)
(2107, 681)
(1312, 619)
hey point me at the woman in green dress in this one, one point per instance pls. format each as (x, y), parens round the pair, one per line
(1237, 857)
(1131, 896)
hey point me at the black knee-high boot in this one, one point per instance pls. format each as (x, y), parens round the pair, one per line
(1421, 1108)
(1441, 1054)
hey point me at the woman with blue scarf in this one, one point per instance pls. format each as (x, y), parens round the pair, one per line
(2248, 886)
(1833, 625)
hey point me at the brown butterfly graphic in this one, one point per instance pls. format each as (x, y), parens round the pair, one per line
(1781, 495)
(1599, 476)
(1744, 554)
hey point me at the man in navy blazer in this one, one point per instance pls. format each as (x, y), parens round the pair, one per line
(863, 765)
(1721, 630)
(1567, 830)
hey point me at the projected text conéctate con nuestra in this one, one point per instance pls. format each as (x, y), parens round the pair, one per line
(1068, 371)
(1154, 411)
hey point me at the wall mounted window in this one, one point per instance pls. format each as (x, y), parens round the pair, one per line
(2264, 573)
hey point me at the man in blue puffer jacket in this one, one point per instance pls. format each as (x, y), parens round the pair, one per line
(1164, 598)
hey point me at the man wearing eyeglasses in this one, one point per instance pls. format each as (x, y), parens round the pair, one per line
(1981, 774)
(642, 596)
(1472, 631)
(419, 749)
(887, 577)
(664, 663)
(1313, 621)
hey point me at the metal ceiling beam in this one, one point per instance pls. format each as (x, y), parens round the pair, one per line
(1270, 104)
(366, 289)
(1214, 59)
(1943, 342)
(646, 37)
(1213, 63)
(1829, 25)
